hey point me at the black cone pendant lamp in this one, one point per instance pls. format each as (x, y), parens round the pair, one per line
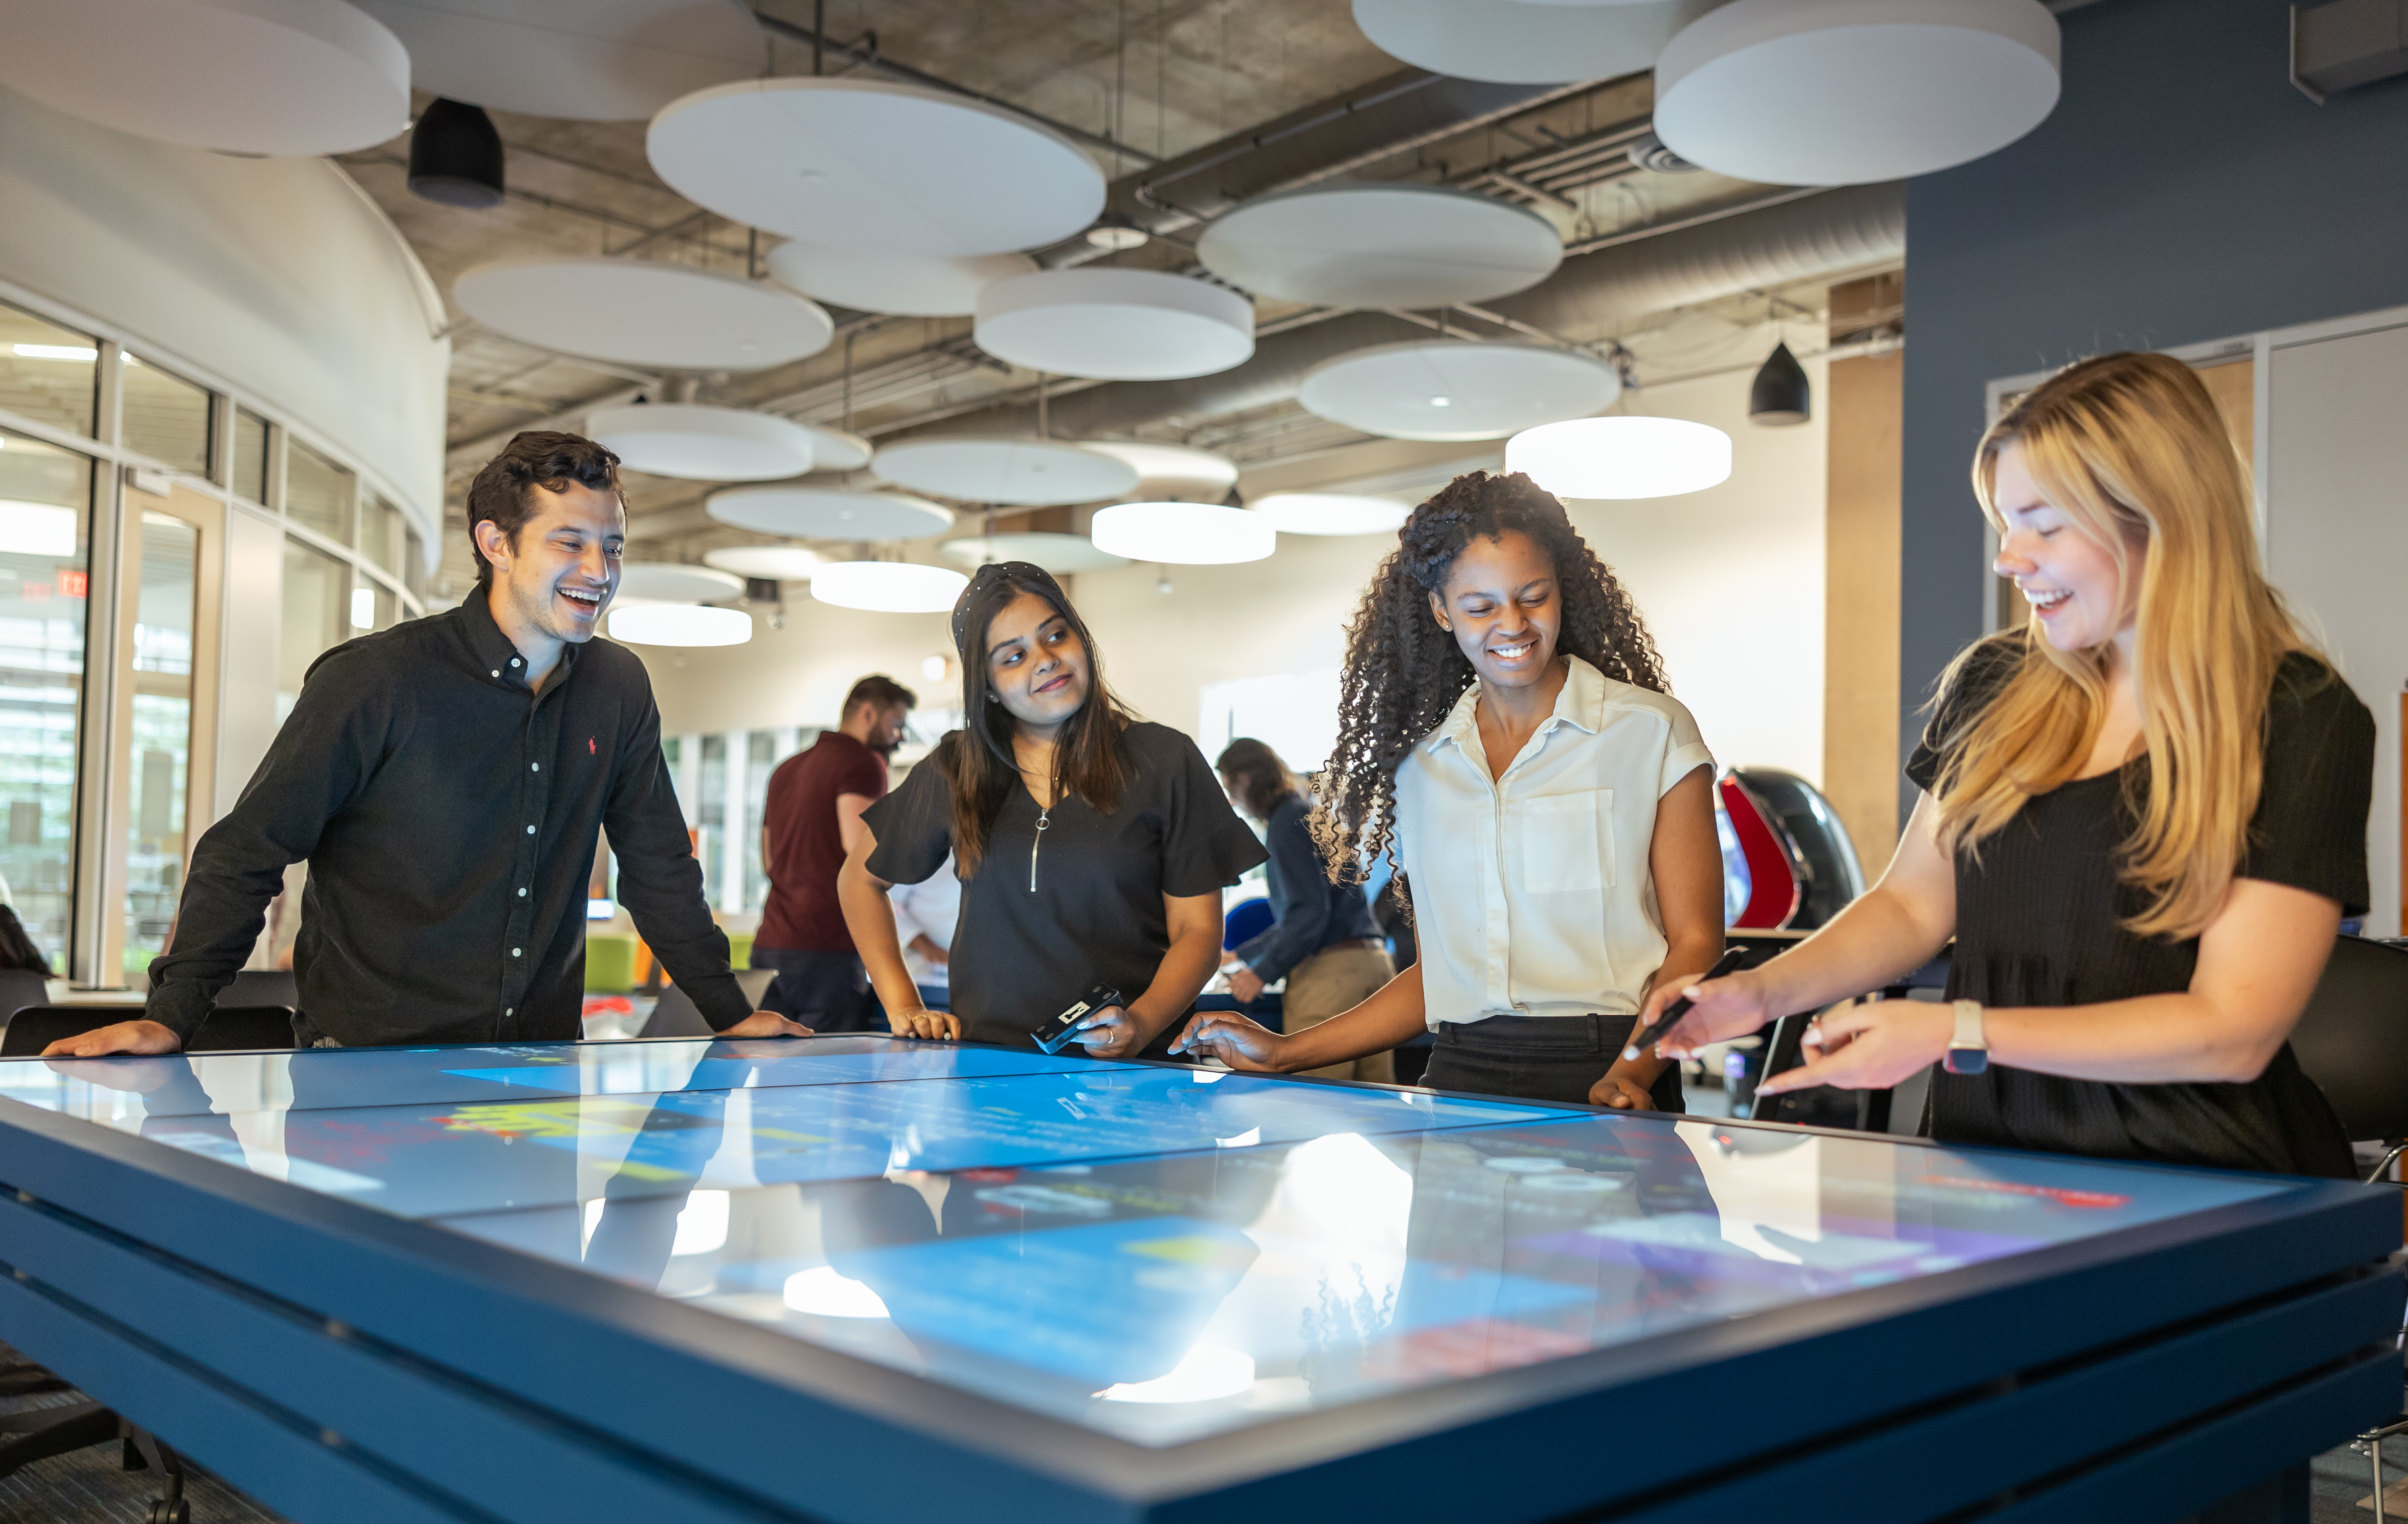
(1780, 394)
(455, 156)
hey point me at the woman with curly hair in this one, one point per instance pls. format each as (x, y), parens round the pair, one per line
(1504, 734)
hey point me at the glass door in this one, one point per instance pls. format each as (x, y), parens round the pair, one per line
(164, 786)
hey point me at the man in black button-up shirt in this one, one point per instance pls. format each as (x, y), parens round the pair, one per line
(445, 780)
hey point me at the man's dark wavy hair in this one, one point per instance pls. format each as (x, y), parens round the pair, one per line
(1404, 674)
(502, 490)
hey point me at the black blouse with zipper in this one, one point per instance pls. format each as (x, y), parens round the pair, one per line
(2040, 913)
(1068, 897)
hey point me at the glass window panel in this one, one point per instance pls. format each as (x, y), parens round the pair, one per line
(317, 617)
(159, 756)
(47, 372)
(711, 818)
(760, 759)
(45, 516)
(250, 454)
(381, 535)
(413, 563)
(166, 417)
(316, 493)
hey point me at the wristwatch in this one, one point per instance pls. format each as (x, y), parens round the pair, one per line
(1967, 1054)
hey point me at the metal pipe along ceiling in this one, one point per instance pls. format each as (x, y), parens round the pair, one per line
(1590, 294)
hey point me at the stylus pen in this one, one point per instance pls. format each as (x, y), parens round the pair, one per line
(1729, 963)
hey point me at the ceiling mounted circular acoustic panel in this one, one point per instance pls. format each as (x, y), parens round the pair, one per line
(1452, 389)
(261, 77)
(824, 513)
(833, 450)
(1172, 471)
(777, 562)
(1746, 90)
(1380, 246)
(1330, 513)
(1621, 457)
(1522, 42)
(894, 587)
(1108, 324)
(581, 60)
(905, 285)
(891, 169)
(702, 444)
(1061, 555)
(680, 623)
(674, 581)
(1020, 473)
(632, 311)
(1184, 534)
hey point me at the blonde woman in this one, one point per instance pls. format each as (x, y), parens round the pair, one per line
(2143, 819)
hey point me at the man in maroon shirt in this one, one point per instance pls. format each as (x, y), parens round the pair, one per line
(812, 818)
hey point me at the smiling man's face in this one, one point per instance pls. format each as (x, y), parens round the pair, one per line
(560, 574)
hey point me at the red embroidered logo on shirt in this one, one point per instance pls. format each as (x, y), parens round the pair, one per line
(589, 746)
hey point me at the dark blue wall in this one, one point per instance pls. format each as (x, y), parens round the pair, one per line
(2183, 190)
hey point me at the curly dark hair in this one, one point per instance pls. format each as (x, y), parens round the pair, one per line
(1404, 673)
(504, 486)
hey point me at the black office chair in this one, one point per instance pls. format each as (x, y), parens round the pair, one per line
(20, 988)
(2353, 1041)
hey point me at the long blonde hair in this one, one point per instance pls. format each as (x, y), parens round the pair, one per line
(2130, 447)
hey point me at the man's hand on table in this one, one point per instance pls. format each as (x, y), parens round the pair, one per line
(767, 1024)
(137, 1036)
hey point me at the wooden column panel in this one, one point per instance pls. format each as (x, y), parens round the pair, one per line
(1862, 551)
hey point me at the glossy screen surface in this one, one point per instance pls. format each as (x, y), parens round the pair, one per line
(1154, 1252)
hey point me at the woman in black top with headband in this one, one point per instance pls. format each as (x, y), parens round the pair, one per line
(1092, 845)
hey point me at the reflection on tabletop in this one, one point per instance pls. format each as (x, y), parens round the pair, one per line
(1154, 1251)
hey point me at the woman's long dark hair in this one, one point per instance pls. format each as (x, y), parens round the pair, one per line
(17, 949)
(980, 770)
(1404, 673)
(1259, 777)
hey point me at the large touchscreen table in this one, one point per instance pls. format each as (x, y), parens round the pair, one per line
(1156, 1257)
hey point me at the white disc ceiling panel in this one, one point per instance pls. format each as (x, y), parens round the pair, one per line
(1173, 470)
(636, 312)
(887, 167)
(299, 77)
(673, 582)
(833, 450)
(1330, 513)
(1380, 246)
(824, 513)
(1023, 473)
(1931, 84)
(1184, 534)
(906, 286)
(1525, 42)
(1115, 325)
(1061, 555)
(899, 587)
(583, 60)
(1451, 389)
(702, 444)
(779, 563)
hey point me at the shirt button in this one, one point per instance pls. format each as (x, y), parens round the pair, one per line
(511, 1011)
(530, 830)
(535, 766)
(514, 661)
(498, 671)
(514, 952)
(522, 894)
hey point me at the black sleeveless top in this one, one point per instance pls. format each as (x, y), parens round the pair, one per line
(2039, 922)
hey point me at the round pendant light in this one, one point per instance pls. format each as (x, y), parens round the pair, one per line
(1523, 42)
(581, 60)
(701, 443)
(835, 450)
(1019, 473)
(894, 587)
(826, 514)
(1452, 389)
(1380, 246)
(1748, 90)
(636, 312)
(1060, 553)
(674, 581)
(890, 167)
(455, 156)
(1780, 394)
(680, 623)
(1330, 513)
(1109, 324)
(260, 77)
(1172, 471)
(906, 286)
(778, 563)
(1621, 457)
(1184, 534)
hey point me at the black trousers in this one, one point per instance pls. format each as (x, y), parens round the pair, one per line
(827, 992)
(1537, 1058)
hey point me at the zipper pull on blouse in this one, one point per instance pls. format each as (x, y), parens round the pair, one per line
(1044, 819)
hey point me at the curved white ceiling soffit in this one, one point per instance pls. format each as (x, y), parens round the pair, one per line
(578, 59)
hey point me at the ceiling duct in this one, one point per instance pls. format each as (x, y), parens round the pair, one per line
(1821, 234)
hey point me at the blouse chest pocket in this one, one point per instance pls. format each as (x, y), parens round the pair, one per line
(1567, 841)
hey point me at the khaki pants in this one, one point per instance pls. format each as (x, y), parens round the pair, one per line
(1330, 983)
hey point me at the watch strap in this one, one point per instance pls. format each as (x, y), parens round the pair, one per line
(1969, 1050)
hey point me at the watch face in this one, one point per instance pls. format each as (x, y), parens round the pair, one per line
(1965, 1060)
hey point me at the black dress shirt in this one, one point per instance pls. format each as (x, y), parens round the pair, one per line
(1311, 912)
(450, 818)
